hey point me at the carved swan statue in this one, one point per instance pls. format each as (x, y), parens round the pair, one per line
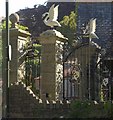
(51, 17)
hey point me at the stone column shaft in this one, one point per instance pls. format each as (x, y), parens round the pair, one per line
(51, 65)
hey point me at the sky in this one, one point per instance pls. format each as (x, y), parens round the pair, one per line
(16, 5)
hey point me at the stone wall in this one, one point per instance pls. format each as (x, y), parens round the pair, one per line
(24, 104)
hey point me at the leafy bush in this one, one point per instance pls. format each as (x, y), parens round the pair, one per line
(17, 25)
(80, 109)
(88, 109)
(108, 107)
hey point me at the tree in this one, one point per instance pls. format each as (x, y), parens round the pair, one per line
(69, 25)
(32, 17)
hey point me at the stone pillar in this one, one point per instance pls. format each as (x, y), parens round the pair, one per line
(51, 64)
(17, 39)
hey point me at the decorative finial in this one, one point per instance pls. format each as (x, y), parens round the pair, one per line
(14, 18)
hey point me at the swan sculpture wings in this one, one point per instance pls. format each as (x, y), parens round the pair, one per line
(91, 28)
(52, 16)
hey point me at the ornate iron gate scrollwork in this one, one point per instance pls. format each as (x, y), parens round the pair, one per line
(106, 80)
(32, 69)
(76, 76)
(71, 71)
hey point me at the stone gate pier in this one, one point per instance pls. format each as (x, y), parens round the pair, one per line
(18, 39)
(51, 82)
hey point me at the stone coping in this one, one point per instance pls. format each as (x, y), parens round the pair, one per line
(52, 33)
(18, 32)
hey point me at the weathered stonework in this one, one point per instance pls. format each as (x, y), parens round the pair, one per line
(17, 40)
(52, 66)
(59, 69)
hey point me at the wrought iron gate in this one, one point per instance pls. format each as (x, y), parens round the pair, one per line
(97, 83)
(106, 80)
(81, 79)
(32, 69)
(71, 73)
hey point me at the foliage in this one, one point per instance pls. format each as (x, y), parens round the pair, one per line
(32, 17)
(4, 25)
(88, 109)
(17, 25)
(69, 24)
(80, 109)
(70, 21)
(32, 64)
(22, 27)
(37, 48)
(108, 106)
